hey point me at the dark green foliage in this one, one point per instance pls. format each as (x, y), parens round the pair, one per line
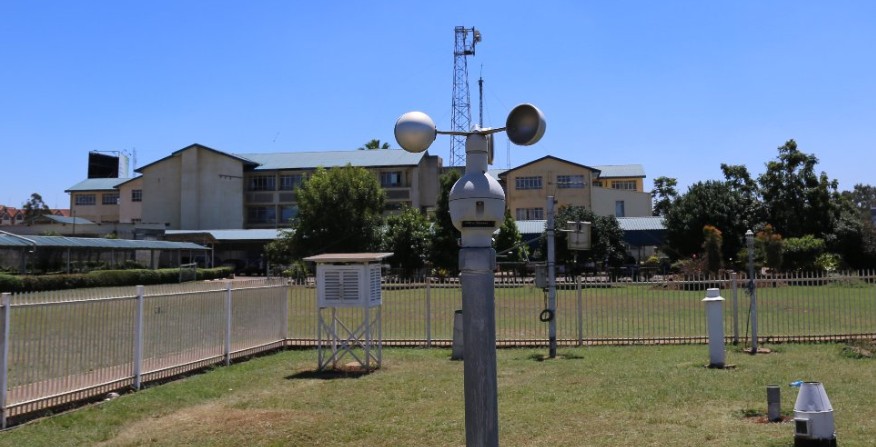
(339, 211)
(706, 203)
(799, 201)
(102, 278)
(34, 207)
(607, 239)
(509, 241)
(664, 193)
(712, 248)
(409, 239)
(801, 253)
(445, 241)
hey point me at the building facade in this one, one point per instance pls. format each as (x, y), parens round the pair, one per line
(611, 190)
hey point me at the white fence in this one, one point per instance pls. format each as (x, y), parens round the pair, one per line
(60, 347)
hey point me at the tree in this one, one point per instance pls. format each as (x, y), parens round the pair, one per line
(606, 238)
(339, 211)
(664, 194)
(445, 239)
(772, 246)
(712, 248)
(408, 237)
(374, 144)
(510, 242)
(712, 203)
(34, 208)
(798, 201)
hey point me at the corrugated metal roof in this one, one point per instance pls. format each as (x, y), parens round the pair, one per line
(625, 223)
(67, 220)
(641, 223)
(328, 159)
(97, 184)
(228, 235)
(9, 240)
(530, 226)
(620, 171)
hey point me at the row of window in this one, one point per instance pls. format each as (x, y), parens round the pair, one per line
(108, 198)
(390, 179)
(569, 182)
(538, 213)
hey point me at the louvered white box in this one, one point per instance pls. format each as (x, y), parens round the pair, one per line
(340, 285)
(348, 279)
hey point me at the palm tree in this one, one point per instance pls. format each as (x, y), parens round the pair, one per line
(374, 144)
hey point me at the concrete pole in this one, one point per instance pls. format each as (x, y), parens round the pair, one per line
(715, 323)
(479, 349)
(552, 279)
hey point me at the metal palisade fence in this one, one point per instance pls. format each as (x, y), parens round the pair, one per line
(61, 347)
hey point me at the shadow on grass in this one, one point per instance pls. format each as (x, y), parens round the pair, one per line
(560, 356)
(329, 374)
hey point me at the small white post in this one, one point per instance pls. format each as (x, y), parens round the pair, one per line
(735, 290)
(227, 323)
(715, 320)
(138, 340)
(4, 358)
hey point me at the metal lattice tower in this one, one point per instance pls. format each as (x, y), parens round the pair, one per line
(460, 118)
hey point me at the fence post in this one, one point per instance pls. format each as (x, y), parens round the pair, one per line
(735, 309)
(286, 303)
(138, 340)
(227, 323)
(4, 357)
(428, 313)
(580, 310)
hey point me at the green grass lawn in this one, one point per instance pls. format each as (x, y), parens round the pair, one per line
(595, 396)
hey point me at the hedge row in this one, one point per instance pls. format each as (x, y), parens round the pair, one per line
(103, 278)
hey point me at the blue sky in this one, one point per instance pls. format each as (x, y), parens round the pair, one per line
(677, 86)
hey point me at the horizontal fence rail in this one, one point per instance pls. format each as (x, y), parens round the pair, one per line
(64, 346)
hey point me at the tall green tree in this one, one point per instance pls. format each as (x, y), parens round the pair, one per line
(445, 239)
(409, 238)
(712, 248)
(340, 210)
(606, 238)
(374, 144)
(798, 201)
(712, 203)
(509, 241)
(35, 207)
(665, 193)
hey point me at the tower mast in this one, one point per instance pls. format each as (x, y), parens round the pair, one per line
(460, 117)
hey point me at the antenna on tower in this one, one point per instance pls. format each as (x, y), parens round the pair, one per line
(460, 117)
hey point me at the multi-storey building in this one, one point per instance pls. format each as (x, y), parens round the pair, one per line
(198, 187)
(607, 190)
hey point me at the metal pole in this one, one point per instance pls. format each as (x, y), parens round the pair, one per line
(552, 280)
(4, 357)
(735, 308)
(580, 310)
(138, 340)
(227, 349)
(752, 288)
(428, 314)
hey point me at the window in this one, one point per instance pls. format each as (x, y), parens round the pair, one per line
(390, 179)
(110, 198)
(288, 212)
(262, 183)
(597, 183)
(86, 199)
(570, 181)
(261, 215)
(291, 182)
(529, 213)
(528, 182)
(628, 185)
(619, 208)
(136, 195)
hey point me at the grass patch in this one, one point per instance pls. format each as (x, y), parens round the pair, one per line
(859, 349)
(608, 396)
